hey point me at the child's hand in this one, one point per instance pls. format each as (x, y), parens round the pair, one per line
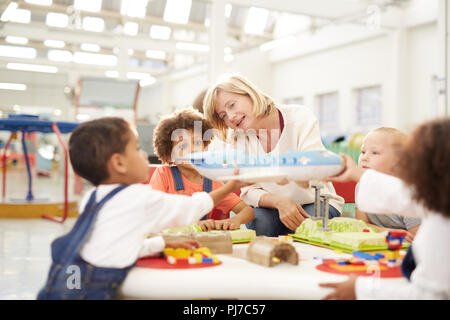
(343, 290)
(207, 224)
(186, 244)
(227, 224)
(235, 185)
(351, 172)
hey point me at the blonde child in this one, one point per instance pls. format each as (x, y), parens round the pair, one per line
(421, 190)
(174, 138)
(93, 259)
(380, 152)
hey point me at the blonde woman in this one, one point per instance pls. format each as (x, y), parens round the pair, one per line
(238, 109)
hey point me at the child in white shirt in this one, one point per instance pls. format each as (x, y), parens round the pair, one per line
(93, 259)
(422, 191)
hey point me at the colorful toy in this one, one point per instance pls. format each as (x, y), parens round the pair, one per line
(217, 242)
(201, 255)
(346, 234)
(194, 231)
(292, 166)
(394, 240)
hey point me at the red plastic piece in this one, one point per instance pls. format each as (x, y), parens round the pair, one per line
(161, 263)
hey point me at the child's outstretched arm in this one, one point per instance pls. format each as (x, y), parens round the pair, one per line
(351, 171)
(244, 214)
(231, 186)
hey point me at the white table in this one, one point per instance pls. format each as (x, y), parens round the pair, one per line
(236, 278)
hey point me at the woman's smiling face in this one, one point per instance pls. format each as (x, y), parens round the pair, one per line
(235, 110)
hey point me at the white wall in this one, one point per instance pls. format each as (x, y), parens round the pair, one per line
(422, 64)
(341, 69)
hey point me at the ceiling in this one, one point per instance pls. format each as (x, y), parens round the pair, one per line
(113, 41)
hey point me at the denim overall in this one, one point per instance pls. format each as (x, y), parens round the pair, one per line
(215, 214)
(408, 263)
(70, 277)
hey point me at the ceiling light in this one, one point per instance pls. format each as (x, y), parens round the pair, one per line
(19, 16)
(112, 74)
(131, 28)
(160, 32)
(134, 8)
(32, 67)
(16, 40)
(93, 24)
(54, 43)
(9, 11)
(90, 47)
(59, 55)
(88, 5)
(256, 20)
(189, 46)
(177, 11)
(59, 20)
(156, 54)
(17, 52)
(94, 58)
(40, 2)
(13, 86)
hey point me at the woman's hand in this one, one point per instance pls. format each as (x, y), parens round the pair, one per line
(351, 171)
(291, 213)
(207, 224)
(343, 290)
(228, 224)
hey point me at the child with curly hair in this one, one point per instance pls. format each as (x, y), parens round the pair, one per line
(177, 135)
(421, 190)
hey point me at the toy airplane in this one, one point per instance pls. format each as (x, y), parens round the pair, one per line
(291, 166)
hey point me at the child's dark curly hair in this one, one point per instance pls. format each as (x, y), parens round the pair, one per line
(180, 119)
(425, 165)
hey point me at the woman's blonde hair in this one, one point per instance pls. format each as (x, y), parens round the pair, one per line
(263, 105)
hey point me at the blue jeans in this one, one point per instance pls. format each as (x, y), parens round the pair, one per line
(267, 220)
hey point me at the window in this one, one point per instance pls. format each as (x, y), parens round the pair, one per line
(368, 107)
(328, 112)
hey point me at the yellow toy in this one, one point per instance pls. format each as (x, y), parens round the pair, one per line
(186, 256)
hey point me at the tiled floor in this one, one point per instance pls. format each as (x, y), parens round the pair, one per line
(25, 243)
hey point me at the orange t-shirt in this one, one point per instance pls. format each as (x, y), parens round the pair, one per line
(162, 180)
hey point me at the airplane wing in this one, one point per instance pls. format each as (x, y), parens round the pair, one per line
(254, 178)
